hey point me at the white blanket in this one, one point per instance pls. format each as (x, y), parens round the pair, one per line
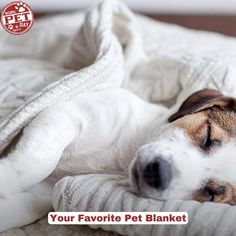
(111, 193)
(113, 48)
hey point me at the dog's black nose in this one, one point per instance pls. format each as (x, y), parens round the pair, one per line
(158, 174)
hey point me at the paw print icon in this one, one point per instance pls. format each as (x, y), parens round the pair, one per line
(20, 7)
(10, 27)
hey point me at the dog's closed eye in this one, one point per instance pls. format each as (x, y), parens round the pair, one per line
(208, 142)
(216, 191)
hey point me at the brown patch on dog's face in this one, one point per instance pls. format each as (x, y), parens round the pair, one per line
(205, 131)
(209, 120)
(216, 191)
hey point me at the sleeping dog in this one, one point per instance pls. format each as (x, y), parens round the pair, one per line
(171, 154)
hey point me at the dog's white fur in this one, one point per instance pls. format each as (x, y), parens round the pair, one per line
(106, 125)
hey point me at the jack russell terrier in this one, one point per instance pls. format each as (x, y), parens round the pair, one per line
(171, 154)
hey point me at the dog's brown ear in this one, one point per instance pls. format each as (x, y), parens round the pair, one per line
(202, 100)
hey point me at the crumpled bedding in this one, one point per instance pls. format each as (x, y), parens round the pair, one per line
(55, 62)
(73, 194)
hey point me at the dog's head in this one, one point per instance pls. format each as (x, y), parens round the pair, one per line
(190, 157)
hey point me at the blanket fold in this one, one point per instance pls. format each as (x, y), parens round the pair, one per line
(97, 52)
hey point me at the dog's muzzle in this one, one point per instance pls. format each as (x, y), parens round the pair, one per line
(158, 174)
(155, 172)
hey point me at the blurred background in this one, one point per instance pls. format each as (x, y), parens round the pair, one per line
(212, 15)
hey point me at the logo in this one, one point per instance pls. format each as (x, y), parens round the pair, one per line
(17, 18)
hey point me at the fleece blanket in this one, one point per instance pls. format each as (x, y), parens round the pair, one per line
(66, 56)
